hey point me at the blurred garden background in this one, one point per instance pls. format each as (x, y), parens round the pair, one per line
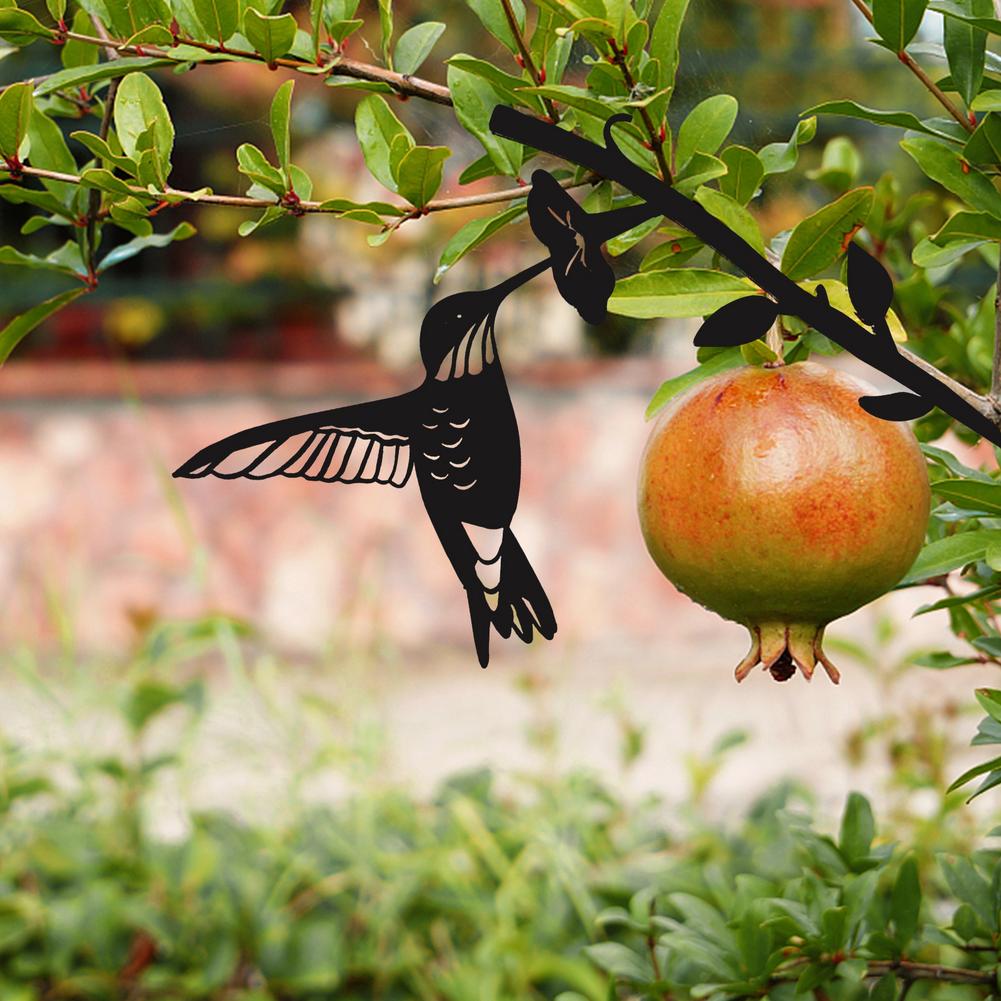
(231, 702)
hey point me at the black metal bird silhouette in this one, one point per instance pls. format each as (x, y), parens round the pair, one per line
(457, 430)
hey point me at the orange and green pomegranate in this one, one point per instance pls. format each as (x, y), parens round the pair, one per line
(771, 497)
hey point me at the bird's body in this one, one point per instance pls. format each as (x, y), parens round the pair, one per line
(457, 431)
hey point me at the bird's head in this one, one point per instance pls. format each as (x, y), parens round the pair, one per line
(457, 332)
(449, 322)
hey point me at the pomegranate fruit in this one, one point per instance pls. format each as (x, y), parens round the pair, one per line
(772, 498)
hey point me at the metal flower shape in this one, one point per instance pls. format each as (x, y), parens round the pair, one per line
(583, 276)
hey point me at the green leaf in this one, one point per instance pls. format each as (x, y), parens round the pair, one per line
(386, 31)
(140, 113)
(894, 119)
(968, 226)
(272, 37)
(415, 46)
(85, 76)
(820, 239)
(57, 9)
(61, 260)
(281, 112)
(475, 100)
(20, 28)
(219, 18)
(377, 128)
(492, 17)
(971, 495)
(839, 165)
(984, 146)
(620, 961)
(777, 158)
(905, 903)
(961, 9)
(75, 53)
(419, 174)
(22, 325)
(676, 293)
(945, 165)
(731, 212)
(945, 555)
(474, 233)
(706, 127)
(897, 21)
(271, 214)
(744, 173)
(664, 40)
(990, 700)
(965, 46)
(15, 114)
(50, 152)
(722, 361)
(180, 232)
(857, 828)
(254, 164)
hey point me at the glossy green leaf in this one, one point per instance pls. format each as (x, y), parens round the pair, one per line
(897, 21)
(86, 76)
(415, 45)
(664, 39)
(946, 166)
(675, 293)
(954, 551)
(733, 214)
(965, 45)
(492, 17)
(779, 157)
(971, 495)
(140, 114)
(26, 322)
(386, 31)
(15, 114)
(281, 113)
(473, 234)
(820, 238)
(705, 128)
(271, 36)
(377, 127)
(127, 250)
(418, 176)
(744, 173)
(475, 100)
(720, 362)
(219, 18)
(20, 28)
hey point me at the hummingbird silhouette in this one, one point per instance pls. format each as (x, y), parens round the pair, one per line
(457, 431)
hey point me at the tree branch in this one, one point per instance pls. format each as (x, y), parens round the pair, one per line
(656, 139)
(926, 80)
(995, 396)
(874, 349)
(243, 202)
(526, 58)
(408, 86)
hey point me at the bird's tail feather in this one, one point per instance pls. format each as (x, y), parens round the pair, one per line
(518, 604)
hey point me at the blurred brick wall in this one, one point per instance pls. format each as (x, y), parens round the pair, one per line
(95, 535)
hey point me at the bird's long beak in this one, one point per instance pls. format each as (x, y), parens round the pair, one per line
(507, 287)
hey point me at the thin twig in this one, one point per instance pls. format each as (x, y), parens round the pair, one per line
(995, 395)
(94, 199)
(408, 86)
(925, 79)
(243, 202)
(656, 139)
(526, 58)
(908, 970)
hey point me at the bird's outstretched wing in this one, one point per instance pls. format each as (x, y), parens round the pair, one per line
(365, 443)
